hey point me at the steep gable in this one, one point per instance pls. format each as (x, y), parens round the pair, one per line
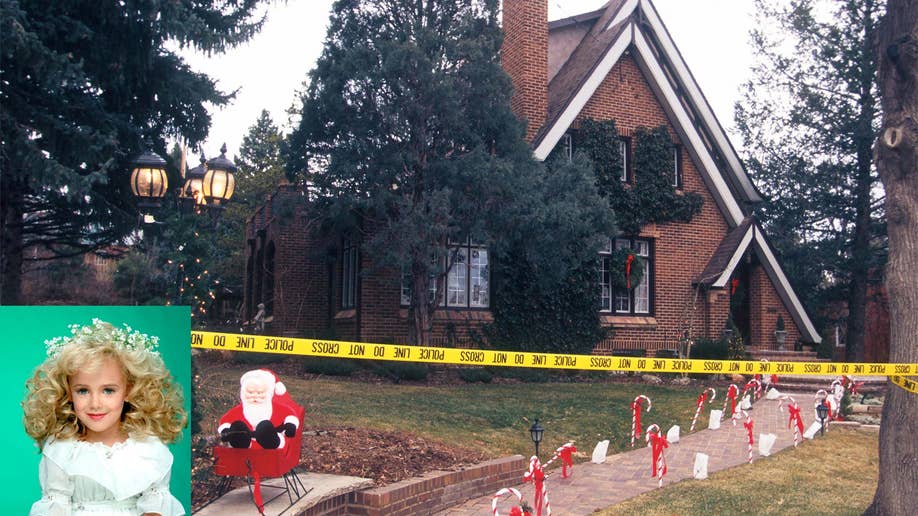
(627, 51)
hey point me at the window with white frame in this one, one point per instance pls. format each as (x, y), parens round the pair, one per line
(349, 267)
(677, 167)
(623, 146)
(467, 280)
(619, 300)
(567, 146)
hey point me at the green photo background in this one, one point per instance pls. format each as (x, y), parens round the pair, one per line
(25, 329)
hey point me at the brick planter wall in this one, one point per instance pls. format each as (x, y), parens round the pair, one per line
(432, 492)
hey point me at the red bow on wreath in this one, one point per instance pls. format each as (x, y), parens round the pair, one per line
(628, 262)
(734, 284)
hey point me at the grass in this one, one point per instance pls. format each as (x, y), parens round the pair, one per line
(492, 417)
(834, 474)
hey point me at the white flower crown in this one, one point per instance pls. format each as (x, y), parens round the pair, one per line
(124, 339)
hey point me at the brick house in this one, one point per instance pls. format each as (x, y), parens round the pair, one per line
(617, 63)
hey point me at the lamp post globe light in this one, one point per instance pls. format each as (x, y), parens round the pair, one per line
(535, 433)
(209, 185)
(148, 179)
(219, 182)
(193, 190)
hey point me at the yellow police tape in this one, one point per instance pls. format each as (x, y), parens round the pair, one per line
(486, 357)
(906, 383)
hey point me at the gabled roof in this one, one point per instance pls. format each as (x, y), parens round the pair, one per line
(727, 257)
(634, 26)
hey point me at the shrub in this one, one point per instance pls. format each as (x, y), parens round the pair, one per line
(328, 366)
(711, 349)
(399, 371)
(525, 374)
(475, 375)
(256, 359)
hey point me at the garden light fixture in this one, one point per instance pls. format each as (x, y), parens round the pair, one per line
(535, 432)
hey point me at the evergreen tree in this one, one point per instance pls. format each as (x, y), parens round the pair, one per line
(260, 170)
(897, 162)
(82, 83)
(407, 135)
(808, 119)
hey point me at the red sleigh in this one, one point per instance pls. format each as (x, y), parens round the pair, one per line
(255, 464)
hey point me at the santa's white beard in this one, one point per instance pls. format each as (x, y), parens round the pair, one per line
(255, 414)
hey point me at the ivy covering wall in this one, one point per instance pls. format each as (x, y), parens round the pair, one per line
(535, 311)
(650, 197)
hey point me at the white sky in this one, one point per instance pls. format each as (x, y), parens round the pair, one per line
(712, 36)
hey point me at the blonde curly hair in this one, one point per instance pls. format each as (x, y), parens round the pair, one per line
(156, 404)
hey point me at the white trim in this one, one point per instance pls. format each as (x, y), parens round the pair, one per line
(624, 12)
(785, 284)
(583, 95)
(735, 259)
(685, 123)
(681, 69)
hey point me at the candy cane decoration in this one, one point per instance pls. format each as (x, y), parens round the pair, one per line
(657, 443)
(732, 391)
(852, 386)
(536, 475)
(838, 392)
(750, 384)
(700, 403)
(636, 416)
(499, 494)
(748, 424)
(565, 453)
(795, 419)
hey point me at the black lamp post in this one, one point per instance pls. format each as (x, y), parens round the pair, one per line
(822, 410)
(209, 185)
(535, 432)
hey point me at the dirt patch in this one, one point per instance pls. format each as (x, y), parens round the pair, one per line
(384, 457)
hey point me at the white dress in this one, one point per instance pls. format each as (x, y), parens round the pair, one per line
(79, 478)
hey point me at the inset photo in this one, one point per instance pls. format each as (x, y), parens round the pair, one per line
(99, 411)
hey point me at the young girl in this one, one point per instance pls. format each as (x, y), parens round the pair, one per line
(100, 407)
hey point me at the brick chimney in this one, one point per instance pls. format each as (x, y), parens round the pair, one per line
(524, 57)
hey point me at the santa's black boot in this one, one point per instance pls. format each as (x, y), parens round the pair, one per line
(266, 436)
(237, 435)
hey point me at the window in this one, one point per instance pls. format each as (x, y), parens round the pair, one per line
(677, 167)
(467, 282)
(567, 146)
(349, 267)
(623, 301)
(623, 149)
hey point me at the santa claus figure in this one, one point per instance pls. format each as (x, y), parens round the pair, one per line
(262, 420)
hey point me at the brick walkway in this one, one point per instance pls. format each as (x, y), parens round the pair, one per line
(626, 475)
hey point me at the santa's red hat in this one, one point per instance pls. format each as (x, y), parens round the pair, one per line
(268, 377)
